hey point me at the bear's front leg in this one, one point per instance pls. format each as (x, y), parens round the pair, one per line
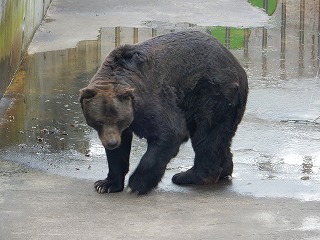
(118, 162)
(153, 165)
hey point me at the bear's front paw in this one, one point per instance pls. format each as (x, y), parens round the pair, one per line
(108, 186)
(142, 183)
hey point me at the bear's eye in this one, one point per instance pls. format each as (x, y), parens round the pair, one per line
(121, 123)
(99, 123)
(124, 98)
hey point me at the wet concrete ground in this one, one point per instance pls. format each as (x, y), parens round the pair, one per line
(68, 23)
(49, 157)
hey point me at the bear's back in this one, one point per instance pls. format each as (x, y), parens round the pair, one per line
(183, 58)
(173, 64)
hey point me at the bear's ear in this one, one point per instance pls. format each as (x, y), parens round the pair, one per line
(125, 93)
(128, 56)
(87, 93)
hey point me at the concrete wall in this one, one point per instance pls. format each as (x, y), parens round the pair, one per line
(19, 19)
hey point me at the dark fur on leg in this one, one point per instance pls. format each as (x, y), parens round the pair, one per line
(118, 162)
(153, 165)
(211, 135)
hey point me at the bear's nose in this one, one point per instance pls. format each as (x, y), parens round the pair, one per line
(112, 144)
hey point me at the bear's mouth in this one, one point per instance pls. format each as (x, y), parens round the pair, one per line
(111, 144)
(110, 140)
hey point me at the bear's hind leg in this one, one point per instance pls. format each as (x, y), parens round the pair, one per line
(213, 159)
(227, 166)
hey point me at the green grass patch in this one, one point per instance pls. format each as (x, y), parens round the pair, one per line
(236, 36)
(272, 5)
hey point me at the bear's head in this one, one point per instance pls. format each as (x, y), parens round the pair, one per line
(109, 111)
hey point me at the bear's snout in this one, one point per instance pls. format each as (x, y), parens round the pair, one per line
(110, 139)
(112, 144)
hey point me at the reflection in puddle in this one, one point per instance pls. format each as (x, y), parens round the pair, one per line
(268, 5)
(309, 164)
(45, 128)
(311, 223)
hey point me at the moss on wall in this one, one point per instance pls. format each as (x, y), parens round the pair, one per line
(19, 20)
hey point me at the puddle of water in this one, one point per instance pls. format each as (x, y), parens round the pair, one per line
(311, 223)
(276, 148)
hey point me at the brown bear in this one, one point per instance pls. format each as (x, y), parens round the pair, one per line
(167, 89)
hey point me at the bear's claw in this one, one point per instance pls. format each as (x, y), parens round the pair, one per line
(107, 186)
